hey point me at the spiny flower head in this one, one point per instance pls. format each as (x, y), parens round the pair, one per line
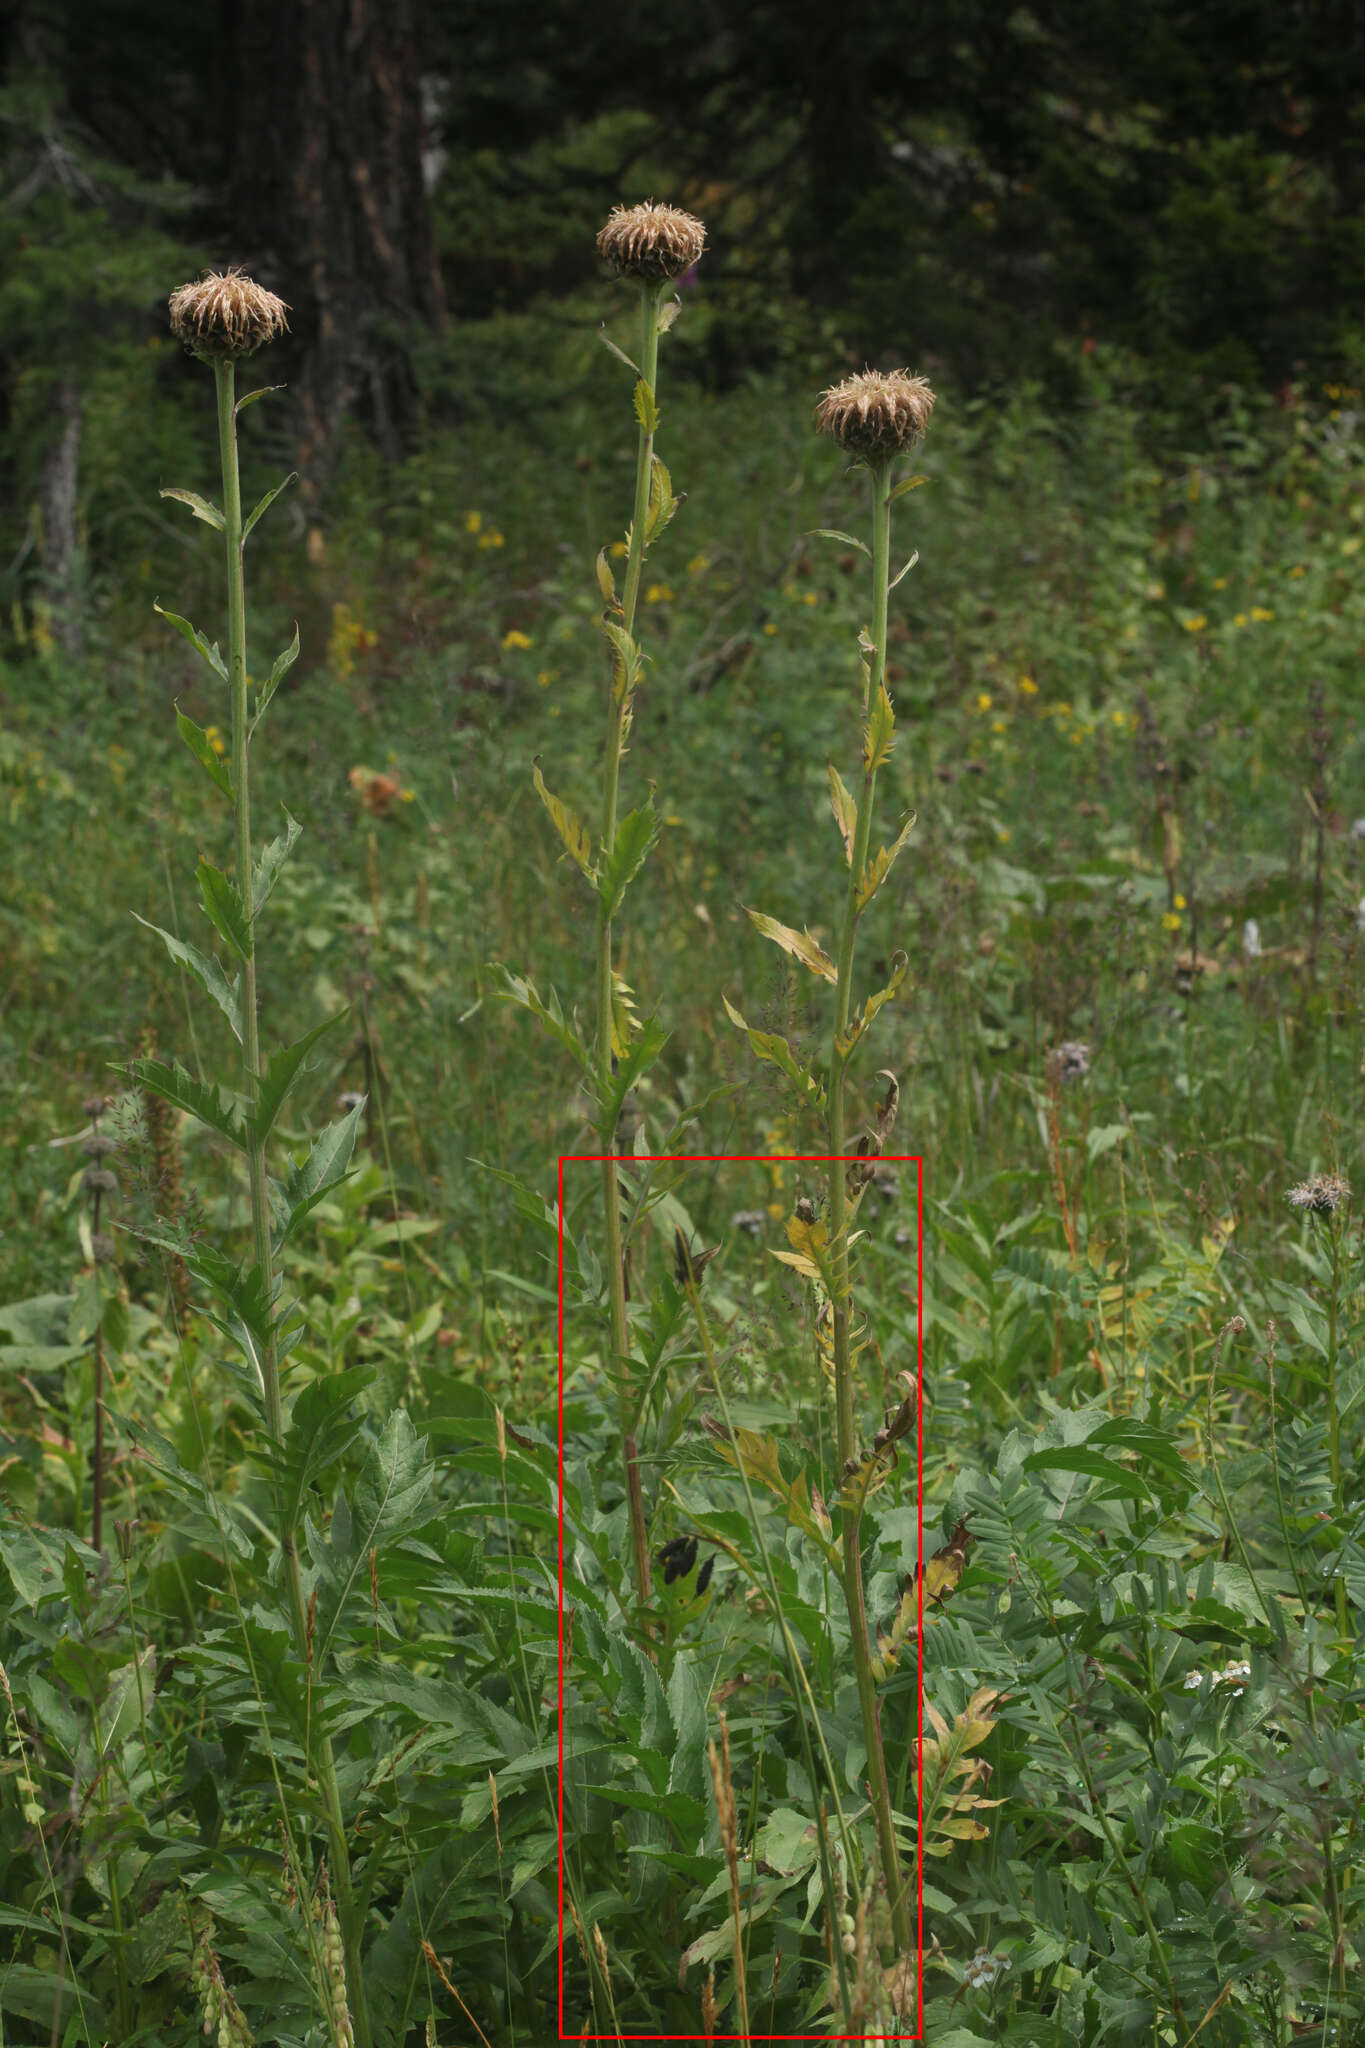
(224, 314)
(1069, 1061)
(1322, 1194)
(651, 242)
(877, 414)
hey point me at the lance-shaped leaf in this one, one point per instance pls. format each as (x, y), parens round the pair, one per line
(847, 540)
(669, 313)
(606, 582)
(196, 639)
(200, 745)
(266, 502)
(282, 665)
(280, 1074)
(879, 734)
(619, 353)
(662, 503)
(771, 1046)
(879, 867)
(627, 664)
(576, 838)
(646, 411)
(201, 1098)
(904, 571)
(801, 945)
(324, 1168)
(210, 976)
(269, 862)
(513, 988)
(323, 1426)
(227, 912)
(636, 1059)
(200, 507)
(907, 483)
(758, 1459)
(858, 1024)
(635, 834)
(845, 811)
(252, 396)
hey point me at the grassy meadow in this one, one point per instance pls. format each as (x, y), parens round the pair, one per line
(1126, 691)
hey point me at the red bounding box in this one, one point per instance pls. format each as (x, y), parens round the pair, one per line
(636, 1159)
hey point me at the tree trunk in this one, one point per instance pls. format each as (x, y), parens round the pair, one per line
(328, 196)
(58, 479)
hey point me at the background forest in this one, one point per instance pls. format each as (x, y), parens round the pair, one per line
(280, 1719)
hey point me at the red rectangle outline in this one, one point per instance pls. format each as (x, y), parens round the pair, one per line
(760, 1159)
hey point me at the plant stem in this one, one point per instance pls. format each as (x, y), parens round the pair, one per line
(611, 770)
(851, 1565)
(339, 1856)
(1334, 1229)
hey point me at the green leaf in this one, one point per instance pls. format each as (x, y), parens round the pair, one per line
(252, 396)
(266, 502)
(639, 1056)
(846, 1040)
(1076, 1458)
(515, 989)
(845, 811)
(283, 663)
(879, 867)
(635, 834)
(662, 503)
(619, 353)
(325, 1166)
(199, 744)
(200, 1098)
(801, 945)
(770, 1045)
(902, 573)
(321, 1429)
(879, 735)
(227, 994)
(227, 912)
(576, 838)
(280, 1073)
(269, 863)
(848, 540)
(200, 507)
(627, 663)
(196, 640)
(646, 411)
(907, 483)
(606, 582)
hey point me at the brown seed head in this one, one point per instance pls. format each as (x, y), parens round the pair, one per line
(1322, 1194)
(877, 414)
(651, 242)
(224, 315)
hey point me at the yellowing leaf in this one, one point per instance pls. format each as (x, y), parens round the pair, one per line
(880, 866)
(858, 1024)
(800, 944)
(844, 809)
(771, 1046)
(880, 734)
(576, 838)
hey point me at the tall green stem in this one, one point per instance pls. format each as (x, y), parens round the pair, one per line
(611, 772)
(1334, 1227)
(851, 1566)
(339, 1856)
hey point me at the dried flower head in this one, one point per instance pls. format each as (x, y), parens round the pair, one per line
(1322, 1194)
(651, 242)
(224, 315)
(1069, 1061)
(877, 414)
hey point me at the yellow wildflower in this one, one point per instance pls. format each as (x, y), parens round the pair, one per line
(215, 740)
(516, 638)
(698, 564)
(491, 540)
(1170, 922)
(659, 593)
(546, 676)
(617, 549)
(1027, 687)
(769, 627)
(1220, 582)
(473, 521)
(1178, 902)
(1298, 570)
(1195, 623)
(999, 725)
(984, 700)
(1240, 619)
(1261, 615)
(1352, 545)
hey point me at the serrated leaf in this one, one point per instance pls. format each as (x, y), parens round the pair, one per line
(635, 1059)
(646, 411)
(668, 313)
(626, 662)
(227, 912)
(196, 639)
(907, 483)
(321, 1171)
(879, 735)
(282, 665)
(848, 540)
(252, 396)
(635, 834)
(199, 744)
(606, 582)
(200, 1098)
(280, 1073)
(227, 994)
(515, 989)
(267, 501)
(771, 1046)
(200, 507)
(575, 836)
(272, 858)
(619, 353)
(758, 1459)
(904, 572)
(880, 866)
(801, 945)
(662, 503)
(845, 811)
(846, 1040)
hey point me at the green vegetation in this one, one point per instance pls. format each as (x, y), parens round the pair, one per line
(1125, 691)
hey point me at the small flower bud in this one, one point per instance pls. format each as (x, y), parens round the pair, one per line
(97, 1180)
(877, 414)
(651, 242)
(224, 315)
(98, 1146)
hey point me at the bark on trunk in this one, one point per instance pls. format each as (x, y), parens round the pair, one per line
(328, 197)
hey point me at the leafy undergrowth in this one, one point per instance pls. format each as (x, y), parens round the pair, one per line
(1129, 727)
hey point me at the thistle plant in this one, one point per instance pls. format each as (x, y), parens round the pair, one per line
(648, 246)
(221, 319)
(876, 418)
